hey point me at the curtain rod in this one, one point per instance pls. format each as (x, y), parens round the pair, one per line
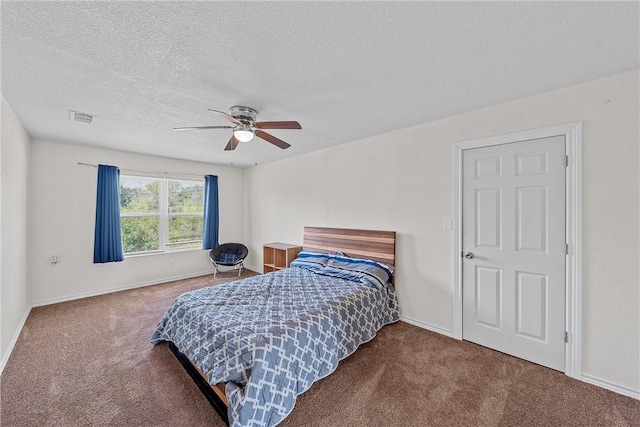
(147, 172)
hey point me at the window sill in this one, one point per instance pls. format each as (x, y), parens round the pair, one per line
(152, 253)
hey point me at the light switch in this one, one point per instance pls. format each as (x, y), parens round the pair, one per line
(447, 224)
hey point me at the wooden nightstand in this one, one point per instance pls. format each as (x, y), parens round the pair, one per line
(277, 256)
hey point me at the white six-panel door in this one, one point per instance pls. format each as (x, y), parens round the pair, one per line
(513, 241)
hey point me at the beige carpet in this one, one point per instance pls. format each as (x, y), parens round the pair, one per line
(89, 363)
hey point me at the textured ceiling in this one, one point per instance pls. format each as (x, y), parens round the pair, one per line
(344, 70)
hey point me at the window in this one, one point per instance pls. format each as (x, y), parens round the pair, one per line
(186, 213)
(160, 214)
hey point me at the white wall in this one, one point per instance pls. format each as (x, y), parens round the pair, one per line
(402, 181)
(62, 217)
(14, 167)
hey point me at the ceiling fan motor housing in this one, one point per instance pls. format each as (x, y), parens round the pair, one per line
(244, 114)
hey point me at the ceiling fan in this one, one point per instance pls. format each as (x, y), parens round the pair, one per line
(245, 127)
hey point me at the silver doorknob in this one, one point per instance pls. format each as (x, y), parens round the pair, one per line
(468, 255)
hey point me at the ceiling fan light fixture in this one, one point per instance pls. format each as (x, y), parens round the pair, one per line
(243, 133)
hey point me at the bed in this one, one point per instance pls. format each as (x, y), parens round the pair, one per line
(254, 345)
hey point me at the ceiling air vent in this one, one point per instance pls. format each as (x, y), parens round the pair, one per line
(80, 117)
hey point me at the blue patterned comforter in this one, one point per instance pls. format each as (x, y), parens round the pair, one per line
(270, 337)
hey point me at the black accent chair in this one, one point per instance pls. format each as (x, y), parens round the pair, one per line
(230, 256)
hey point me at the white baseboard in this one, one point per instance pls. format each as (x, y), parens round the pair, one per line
(119, 288)
(7, 354)
(254, 269)
(626, 391)
(427, 326)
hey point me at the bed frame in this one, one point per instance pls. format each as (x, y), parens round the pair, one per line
(369, 244)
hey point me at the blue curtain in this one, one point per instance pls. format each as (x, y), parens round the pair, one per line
(107, 244)
(211, 225)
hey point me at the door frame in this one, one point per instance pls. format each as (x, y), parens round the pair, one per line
(573, 222)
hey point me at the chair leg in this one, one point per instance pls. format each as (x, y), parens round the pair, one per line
(241, 268)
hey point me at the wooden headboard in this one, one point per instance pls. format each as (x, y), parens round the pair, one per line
(369, 244)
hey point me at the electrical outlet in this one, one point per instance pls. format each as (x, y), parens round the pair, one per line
(54, 259)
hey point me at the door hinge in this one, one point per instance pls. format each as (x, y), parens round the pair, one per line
(566, 249)
(566, 336)
(565, 161)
